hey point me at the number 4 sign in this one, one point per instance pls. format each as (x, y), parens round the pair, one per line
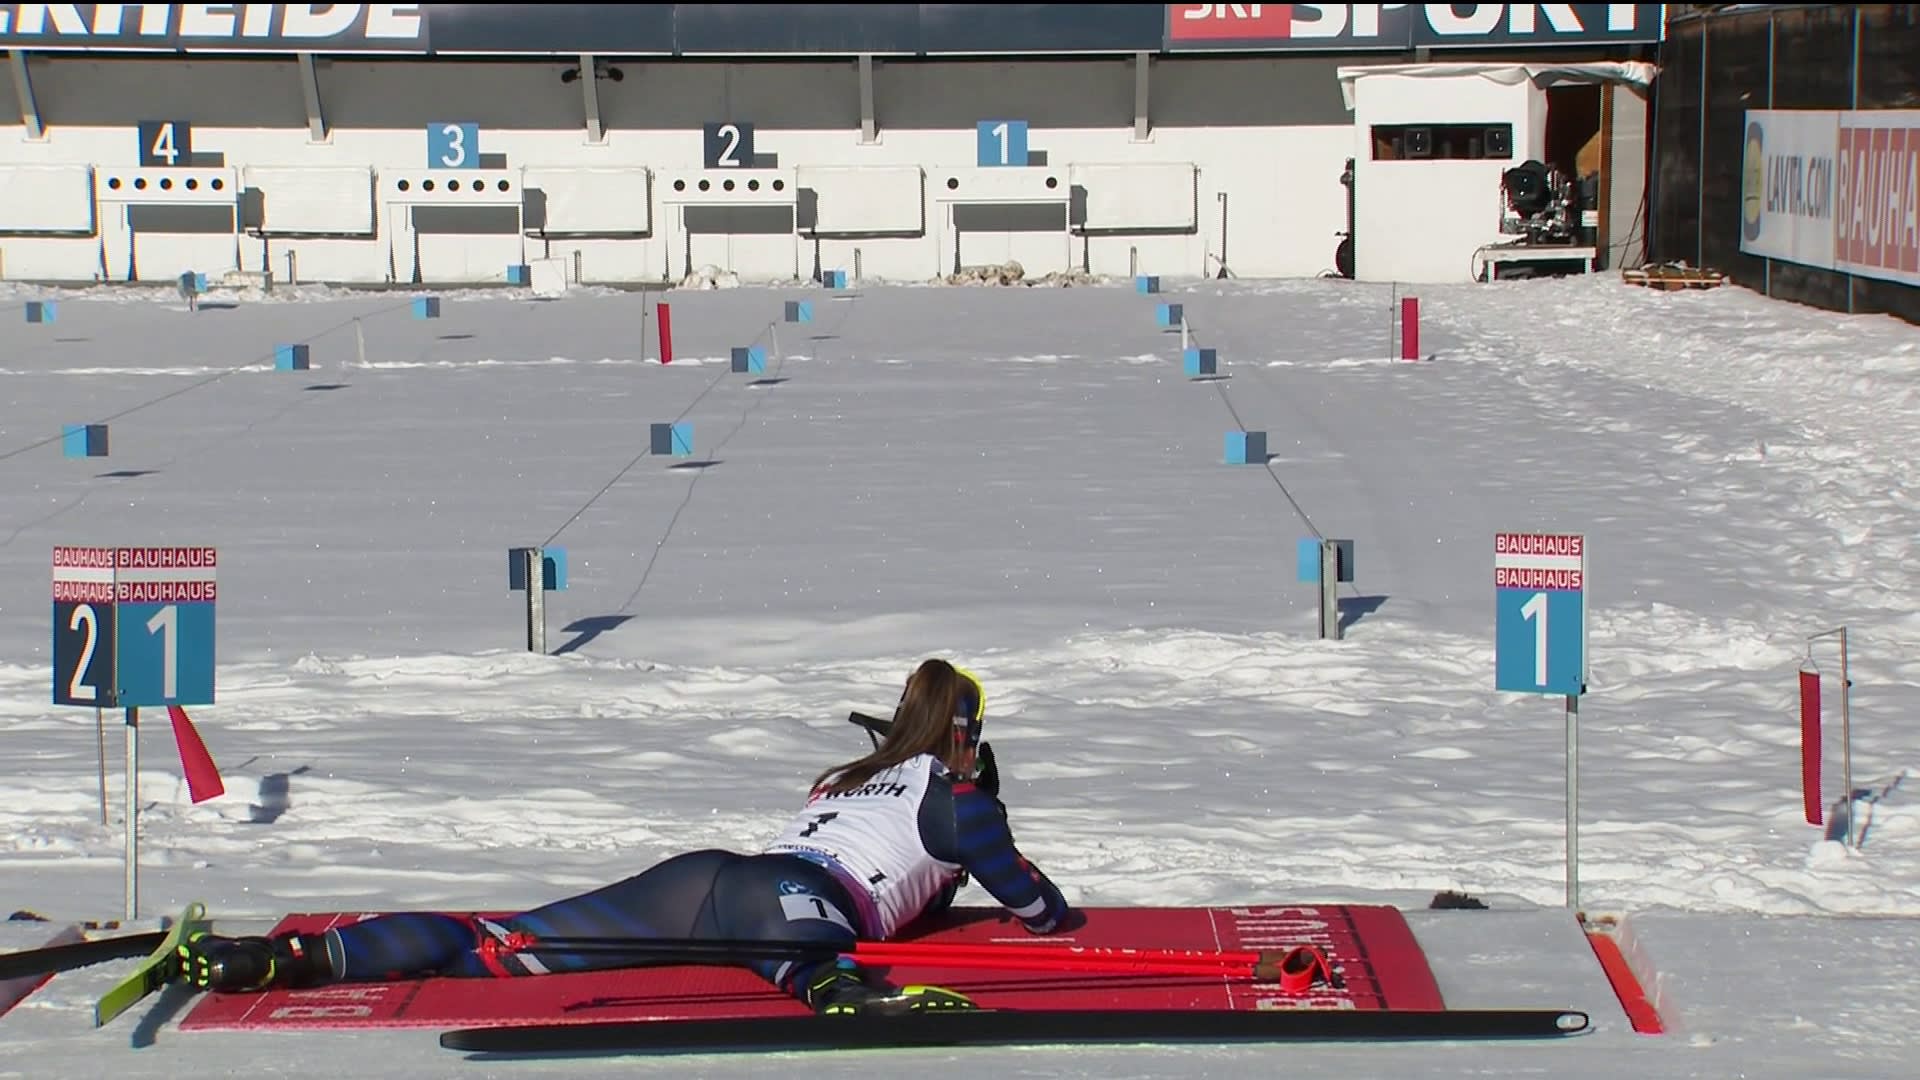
(1540, 627)
(166, 143)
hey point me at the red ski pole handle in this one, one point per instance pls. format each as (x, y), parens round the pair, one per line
(1301, 966)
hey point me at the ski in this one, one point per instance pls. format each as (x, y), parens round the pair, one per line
(992, 1027)
(53, 959)
(154, 972)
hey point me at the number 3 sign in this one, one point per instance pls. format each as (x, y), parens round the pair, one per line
(453, 146)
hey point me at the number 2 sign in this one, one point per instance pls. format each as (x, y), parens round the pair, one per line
(727, 146)
(83, 639)
(1540, 623)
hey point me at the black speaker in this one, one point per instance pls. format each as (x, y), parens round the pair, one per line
(1499, 142)
(1419, 142)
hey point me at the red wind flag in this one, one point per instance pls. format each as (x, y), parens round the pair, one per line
(203, 776)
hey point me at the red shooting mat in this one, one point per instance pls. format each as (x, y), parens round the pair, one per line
(1370, 948)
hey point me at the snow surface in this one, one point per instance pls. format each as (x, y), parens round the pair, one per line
(1023, 480)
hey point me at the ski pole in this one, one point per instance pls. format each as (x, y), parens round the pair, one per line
(1264, 965)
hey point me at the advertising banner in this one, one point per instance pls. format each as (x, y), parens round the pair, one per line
(1839, 190)
(1407, 26)
(553, 29)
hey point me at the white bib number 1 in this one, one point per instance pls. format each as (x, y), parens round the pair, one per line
(805, 906)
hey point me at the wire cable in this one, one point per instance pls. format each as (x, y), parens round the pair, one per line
(189, 388)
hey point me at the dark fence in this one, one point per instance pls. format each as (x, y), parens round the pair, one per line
(1716, 65)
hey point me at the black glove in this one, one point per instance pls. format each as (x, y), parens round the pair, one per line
(986, 774)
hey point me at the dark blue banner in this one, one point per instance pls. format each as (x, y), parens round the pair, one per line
(813, 29)
(1339, 27)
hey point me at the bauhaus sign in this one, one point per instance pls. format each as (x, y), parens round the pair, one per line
(1839, 190)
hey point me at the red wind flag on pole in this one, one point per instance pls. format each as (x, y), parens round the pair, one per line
(203, 776)
(1810, 744)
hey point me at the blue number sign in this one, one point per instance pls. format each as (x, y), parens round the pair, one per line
(1002, 142)
(166, 653)
(453, 146)
(1540, 624)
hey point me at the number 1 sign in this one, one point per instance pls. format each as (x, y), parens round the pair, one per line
(1000, 142)
(1540, 626)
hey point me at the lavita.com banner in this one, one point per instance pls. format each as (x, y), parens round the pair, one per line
(1839, 190)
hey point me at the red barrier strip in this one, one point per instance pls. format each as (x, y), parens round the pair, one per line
(15, 991)
(1633, 998)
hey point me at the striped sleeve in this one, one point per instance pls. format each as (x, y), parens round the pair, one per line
(983, 844)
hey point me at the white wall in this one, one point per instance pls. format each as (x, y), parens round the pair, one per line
(1269, 133)
(1626, 223)
(1421, 220)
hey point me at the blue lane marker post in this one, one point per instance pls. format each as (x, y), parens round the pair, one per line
(1329, 564)
(1246, 448)
(672, 440)
(84, 440)
(749, 359)
(537, 571)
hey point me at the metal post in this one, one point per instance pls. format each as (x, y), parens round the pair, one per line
(1330, 590)
(1700, 198)
(1846, 727)
(23, 90)
(1766, 263)
(100, 729)
(310, 97)
(535, 560)
(133, 812)
(1142, 123)
(1393, 320)
(869, 125)
(1573, 802)
(1846, 734)
(360, 341)
(646, 305)
(590, 99)
(1853, 102)
(1222, 197)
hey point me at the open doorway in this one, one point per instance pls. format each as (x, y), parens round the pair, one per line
(1576, 147)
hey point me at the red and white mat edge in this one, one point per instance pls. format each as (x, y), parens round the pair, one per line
(1385, 968)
